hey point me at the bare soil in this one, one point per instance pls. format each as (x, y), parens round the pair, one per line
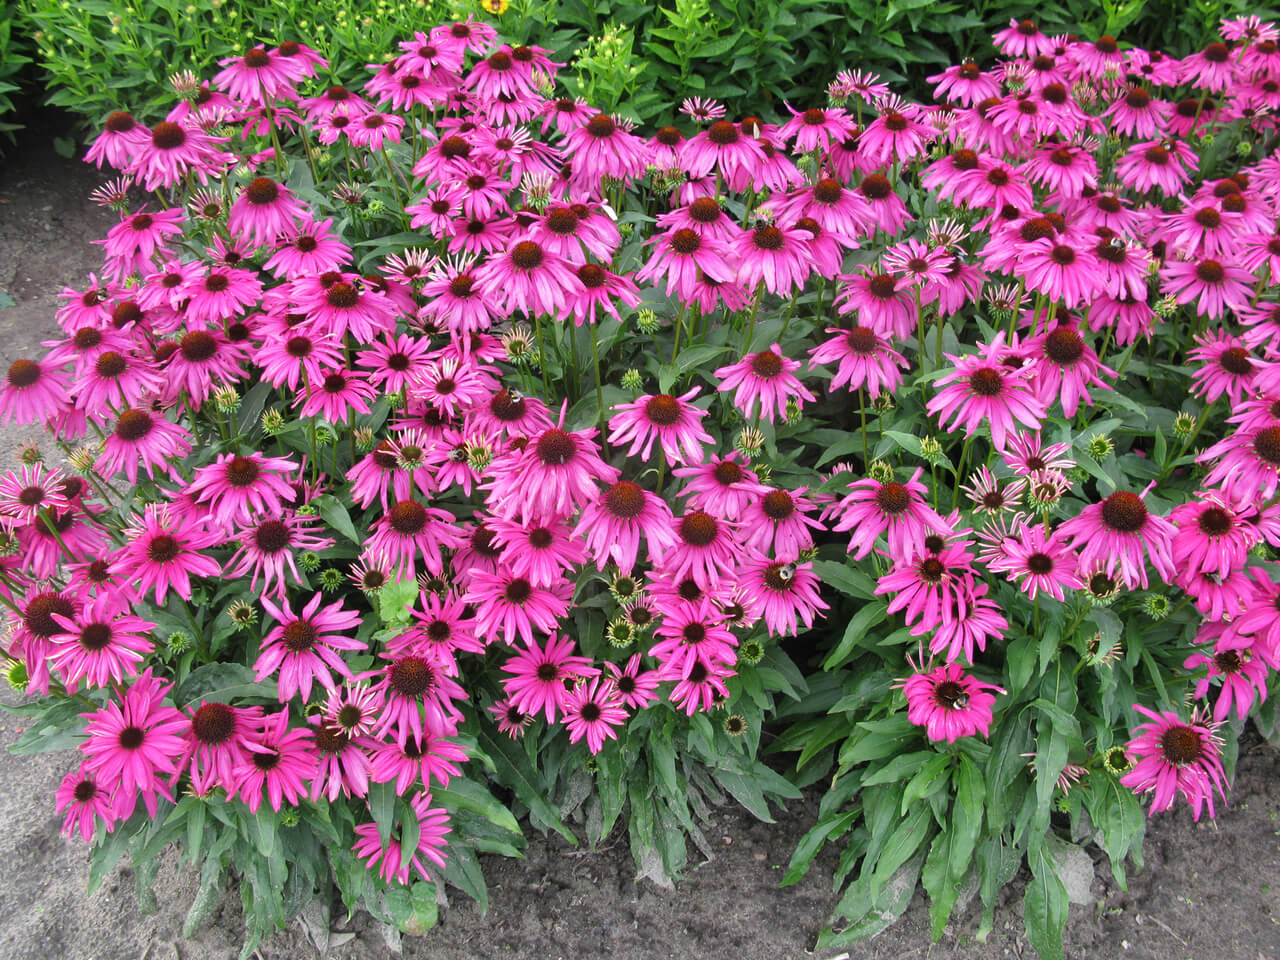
(1210, 891)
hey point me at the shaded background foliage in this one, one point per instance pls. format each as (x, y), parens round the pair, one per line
(639, 57)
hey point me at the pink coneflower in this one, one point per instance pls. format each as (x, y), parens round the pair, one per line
(162, 551)
(527, 278)
(701, 688)
(444, 625)
(949, 703)
(202, 357)
(964, 83)
(508, 606)
(395, 361)
(896, 509)
(929, 586)
(604, 147)
(723, 486)
(1111, 535)
(541, 553)
(265, 211)
(409, 535)
(1214, 285)
(1039, 563)
(352, 709)
(539, 675)
(336, 395)
(391, 860)
(573, 232)
(418, 695)
(294, 355)
(236, 487)
(611, 524)
(725, 149)
(1213, 536)
(884, 302)
(898, 135)
(23, 495)
(969, 627)
(1246, 463)
(774, 255)
(694, 632)
(310, 247)
(1063, 368)
(1022, 38)
(673, 422)
(682, 256)
(592, 710)
(119, 140)
(779, 520)
(132, 244)
(133, 742)
(1025, 454)
(1243, 676)
(552, 476)
(704, 550)
(86, 801)
(427, 757)
(768, 377)
(702, 109)
(279, 760)
(979, 388)
(599, 289)
(1065, 272)
(1164, 165)
(114, 381)
(101, 642)
(172, 151)
(342, 763)
(256, 78)
(304, 647)
(217, 741)
(1176, 756)
(511, 719)
(31, 393)
(816, 128)
(635, 688)
(1228, 367)
(339, 302)
(866, 360)
(785, 590)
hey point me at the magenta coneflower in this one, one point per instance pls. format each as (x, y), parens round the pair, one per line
(930, 586)
(304, 647)
(1111, 535)
(237, 487)
(527, 278)
(1176, 756)
(542, 553)
(884, 302)
(611, 524)
(600, 288)
(444, 624)
(396, 863)
(949, 703)
(409, 534)
(279, 760)
(592, 710)
(292, 355)
(705, 549)
(1060, 270)
(778, 520)
(352, 709)
(217, 741)
(724, 148)
(31, 393)
(1246, 463)
(172, 151)
(162, 551)
(774, 255)
(695, 632)
(202, 357)
(32, 489)
(337, 395)
(132, 244)
(604, 147)
(896, 509)
(309, 247)
(539, 674)
(980, 388)
(700, 688)
(257, 77)
(342, 763)
(1228, 367)
(1214, 285)
(1164, 165)
(785, 590)
(1063, 368)
(418, 759)
(1039, 563)
(866, 360)
(635, 688)
(682, 256)
(395, 361)
(265, 211)
(133, 742)
(1242, 674)
(1213, 536)
(100, 643)
(968, 628)
(552, 476)
(723, 486)
(768, 377)
(418, 697)
(120, 139)
(1022, 38)
(511, 719)
(86, 801)
(508, 606)
(672, 421)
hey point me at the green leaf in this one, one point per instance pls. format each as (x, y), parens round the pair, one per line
(59, 727)
(1044, 908)
(464, 794)
(382, 804)
(927, 779)
(850, 582)
(966, 816)
(334, 512)
(867, 617)
(514, 771)
(813, 840)
(746, 791)
(395, 600)
(899, 768)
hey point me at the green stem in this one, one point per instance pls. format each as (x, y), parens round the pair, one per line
(862, 414)
(751, 325)
(675, 349)
(595, 359)
(964, 459)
